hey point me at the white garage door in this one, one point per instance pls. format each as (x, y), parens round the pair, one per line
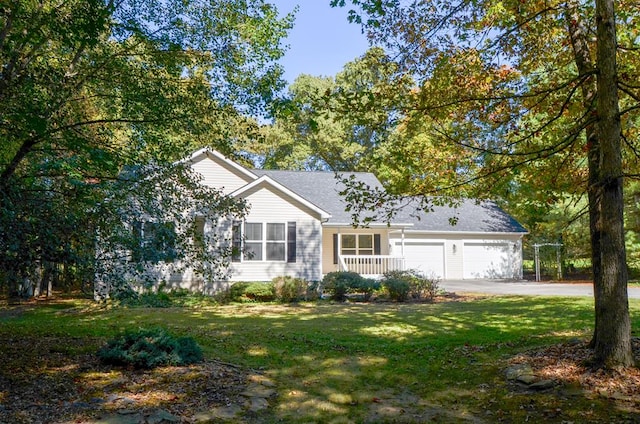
(487, 260)
(424, 256)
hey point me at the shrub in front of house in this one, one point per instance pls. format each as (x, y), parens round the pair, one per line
(397, 284)
(340, 283)
(367, 287)
(402, 285)
(150, 348)
(252, 292)
(290, 289)
(424, 287)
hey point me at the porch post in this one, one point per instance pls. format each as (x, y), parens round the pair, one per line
(339, 251)
(402, 250)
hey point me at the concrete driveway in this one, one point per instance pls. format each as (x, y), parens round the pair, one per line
(524, 288)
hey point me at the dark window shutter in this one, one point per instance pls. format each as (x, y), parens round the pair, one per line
(236, 241)
(335, 248)
(291, 242)
(376, 244)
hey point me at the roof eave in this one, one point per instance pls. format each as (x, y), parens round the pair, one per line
(502, 233)
(393, 225)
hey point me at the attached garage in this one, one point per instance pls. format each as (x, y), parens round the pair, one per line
(424, 255)
(492, 260)
(473, 240)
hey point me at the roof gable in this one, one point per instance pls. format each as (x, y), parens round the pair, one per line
(321, 188)
(217, 156)
(218, 171)
(265, 180)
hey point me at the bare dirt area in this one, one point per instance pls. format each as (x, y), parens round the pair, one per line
(57, 380)
(567, 366)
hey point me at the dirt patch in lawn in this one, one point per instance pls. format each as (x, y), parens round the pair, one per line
(567, 365)
(54, 379)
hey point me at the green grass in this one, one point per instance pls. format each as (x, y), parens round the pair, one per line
(361, 362)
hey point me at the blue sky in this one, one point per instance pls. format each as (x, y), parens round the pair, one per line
(321, 41)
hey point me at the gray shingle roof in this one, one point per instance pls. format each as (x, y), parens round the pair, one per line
(469, 216)
(323, 190)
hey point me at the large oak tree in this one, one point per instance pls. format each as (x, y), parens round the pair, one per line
(536, 90)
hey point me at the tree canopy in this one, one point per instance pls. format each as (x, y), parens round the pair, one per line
(537, 95)
(335, 123)
(90, 88)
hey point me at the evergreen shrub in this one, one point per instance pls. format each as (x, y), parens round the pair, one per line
(341, 283)
(397, 284)
(402, 285)
(150, 348)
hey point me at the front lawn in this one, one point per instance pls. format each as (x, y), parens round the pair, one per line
(328, 362)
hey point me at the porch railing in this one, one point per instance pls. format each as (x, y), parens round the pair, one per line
(371, 264)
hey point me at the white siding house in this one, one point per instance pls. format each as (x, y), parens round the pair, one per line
(297, 225)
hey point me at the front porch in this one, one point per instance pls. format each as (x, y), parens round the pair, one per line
(366, 251)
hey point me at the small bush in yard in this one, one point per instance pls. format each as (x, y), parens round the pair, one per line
(150, 348)
(341, 283)
(289, 289)
(397, 286)
(367, 287)
(252, 292)
(401, 285)
(424, 288)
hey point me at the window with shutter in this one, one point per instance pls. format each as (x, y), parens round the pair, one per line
(253, 241)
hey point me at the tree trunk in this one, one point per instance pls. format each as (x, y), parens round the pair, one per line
(579, 35)
(612, 344)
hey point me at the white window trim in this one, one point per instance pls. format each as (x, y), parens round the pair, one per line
(264, 242)
(282, 242)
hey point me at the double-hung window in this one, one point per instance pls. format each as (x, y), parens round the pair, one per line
(266, 241)
(357, 244)
(276, 242)
(253, 241)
